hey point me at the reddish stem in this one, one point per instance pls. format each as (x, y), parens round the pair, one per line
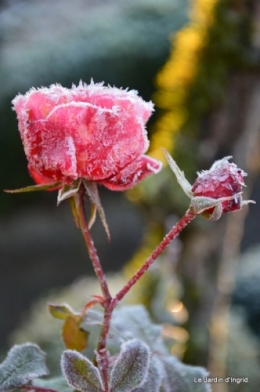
(109, 302)
(29, 388)
(102, 353)
(187, 218)
(79, 202)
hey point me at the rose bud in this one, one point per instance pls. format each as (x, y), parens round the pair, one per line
(215, 191)
(87, 132)
(223, 179)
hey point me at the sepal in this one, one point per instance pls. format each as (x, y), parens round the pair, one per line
(202, 203)
(184, 183)
(35, 188)
(68, 191)
(92, 191)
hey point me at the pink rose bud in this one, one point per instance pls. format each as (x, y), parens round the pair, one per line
(223, 179)
(216, 191)
(90, 132)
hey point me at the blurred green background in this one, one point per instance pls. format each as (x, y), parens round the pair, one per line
(205, 83)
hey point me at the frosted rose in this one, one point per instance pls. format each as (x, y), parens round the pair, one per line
(90, 132)
(224, 179)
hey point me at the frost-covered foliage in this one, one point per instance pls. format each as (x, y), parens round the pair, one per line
(131, 366)
(23, 363)
(80, 372)
(139, 359)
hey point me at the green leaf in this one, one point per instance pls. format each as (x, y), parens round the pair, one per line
(34, 188)
(58, 384)
(23, 363)
(68, 191)
(154, 378)
(92, 191)
(61, 312)
(130, 369)
(182, 378)
(80, 373)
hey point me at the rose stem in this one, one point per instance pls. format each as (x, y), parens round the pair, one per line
(110, 303)
(79, 202)
(174, 232)
(102, 353)
(187, 218)
(36, 389)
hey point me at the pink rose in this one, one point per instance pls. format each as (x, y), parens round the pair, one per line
(90, 132)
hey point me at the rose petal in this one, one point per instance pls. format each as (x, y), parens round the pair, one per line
(132, 174)
(42, 180)
(90, 131)
(89, 142)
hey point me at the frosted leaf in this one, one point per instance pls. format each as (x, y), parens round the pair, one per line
(23, 363)
(134, 322)
(58, 384)
(80, 373)
(154, 377)
(182, 378)
(130, 369)
(91, 317)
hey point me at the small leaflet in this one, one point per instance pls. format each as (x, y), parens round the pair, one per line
(131, 366)
(80, 373)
